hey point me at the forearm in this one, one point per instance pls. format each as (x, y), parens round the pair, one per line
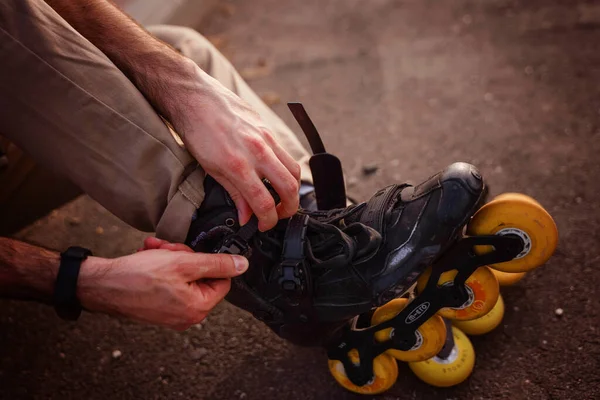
(29, 272)
(148, 62)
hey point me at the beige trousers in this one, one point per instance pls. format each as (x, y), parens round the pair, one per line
(72, 123)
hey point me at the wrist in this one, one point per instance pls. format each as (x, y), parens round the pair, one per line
(185, 95)
(91, 284)
(169, 84)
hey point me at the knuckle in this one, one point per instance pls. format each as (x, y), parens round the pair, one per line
(237, 164)
(292, 187)
(268, 137)
(296, 170)
(257, 146)
(221, 263)
(265, 204)
(254, 142)
(256, 190)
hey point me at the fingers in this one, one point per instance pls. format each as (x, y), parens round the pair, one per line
(286, 187)
(242, 206)
(197, 266)
(258, 198)
(213, 291)
(286, 159)
(176, 247)
(283, 172)
(206, 294)
(153, 243)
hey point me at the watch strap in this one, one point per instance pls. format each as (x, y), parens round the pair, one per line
(66, 303)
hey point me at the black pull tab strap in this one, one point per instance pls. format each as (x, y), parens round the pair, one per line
(307, 126)
(328, 176)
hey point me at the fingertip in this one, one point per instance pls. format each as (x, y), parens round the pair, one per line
(286, 212)
(244, 211)
(268, 220)
(240, 263)
(243, 217)
(152, 242)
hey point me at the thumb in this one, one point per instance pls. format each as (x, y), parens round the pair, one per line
(216, 266)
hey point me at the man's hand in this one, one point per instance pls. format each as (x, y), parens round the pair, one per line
(223, 133)
(231, 143)
(169, 285)
(172, 287)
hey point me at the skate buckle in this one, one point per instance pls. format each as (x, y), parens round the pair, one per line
(289, 280)
(233, 245)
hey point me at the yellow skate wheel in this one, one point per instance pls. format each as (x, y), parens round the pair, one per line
(508, 278)
(482, 287)
(518, 196)
(519, 215)
(485, 324)
(430, 336)
(450, 371)
(385, 369)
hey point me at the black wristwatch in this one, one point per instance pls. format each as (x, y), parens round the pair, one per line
(66, 303)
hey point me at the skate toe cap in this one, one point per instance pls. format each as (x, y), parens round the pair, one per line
(462, 186)
(463, 174)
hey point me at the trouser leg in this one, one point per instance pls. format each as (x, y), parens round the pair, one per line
(67, 106)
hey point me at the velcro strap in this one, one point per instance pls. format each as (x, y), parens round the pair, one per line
(375, 209)
(292, 278)
(295, 236)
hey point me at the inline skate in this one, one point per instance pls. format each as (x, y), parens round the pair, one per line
(379, 281)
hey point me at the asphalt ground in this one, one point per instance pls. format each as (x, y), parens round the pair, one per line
(406, 87)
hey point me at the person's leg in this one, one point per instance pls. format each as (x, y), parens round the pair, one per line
(70, 109)
(196, 47)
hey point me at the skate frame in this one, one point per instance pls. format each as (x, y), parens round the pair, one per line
(461, 257)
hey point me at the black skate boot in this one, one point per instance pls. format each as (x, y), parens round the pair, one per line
(316, 277)
(317, 270)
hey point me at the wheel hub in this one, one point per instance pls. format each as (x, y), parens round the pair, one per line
(447, 360)
(470, 293)
(418, 339)
(521, 235)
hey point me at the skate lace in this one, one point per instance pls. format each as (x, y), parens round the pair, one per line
(335, 215)
(332, 243)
